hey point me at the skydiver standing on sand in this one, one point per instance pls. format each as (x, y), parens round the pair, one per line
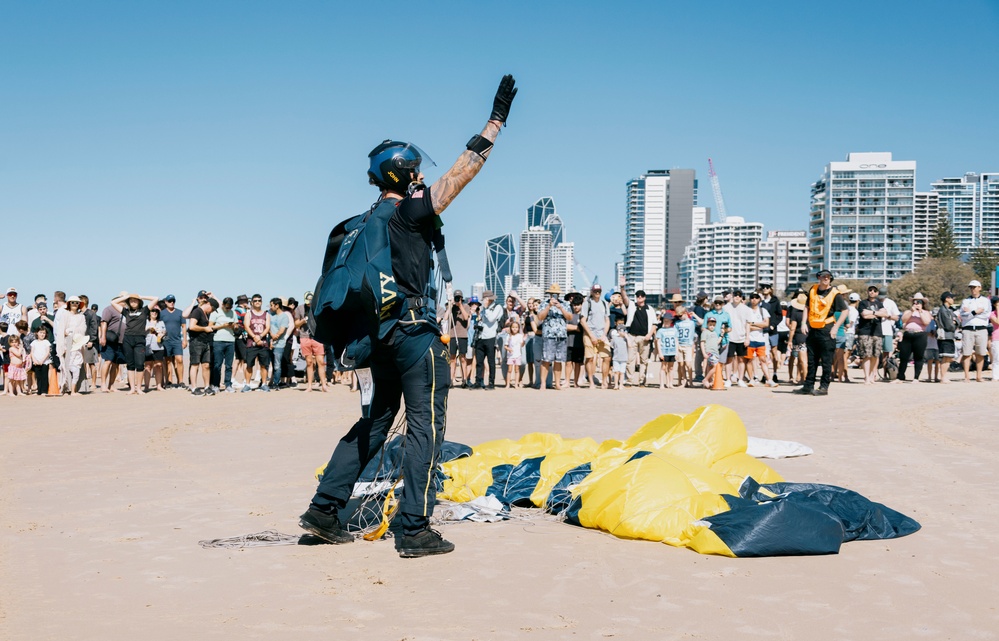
(411, 364)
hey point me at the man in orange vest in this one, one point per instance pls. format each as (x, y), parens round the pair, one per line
(820, 327)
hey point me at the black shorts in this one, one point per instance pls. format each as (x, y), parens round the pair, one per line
(155, 355)
(577, 351)
(457, 347)
(256, 355)
(782, 342)
(134, 348)
(199, 352)
(240, 350)
(671, 358)
(737, 350)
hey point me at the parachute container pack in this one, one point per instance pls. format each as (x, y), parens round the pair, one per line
(682, 480)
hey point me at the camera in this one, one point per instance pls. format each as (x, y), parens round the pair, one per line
(457, 299)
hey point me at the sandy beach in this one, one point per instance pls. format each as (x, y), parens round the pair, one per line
(104, 499)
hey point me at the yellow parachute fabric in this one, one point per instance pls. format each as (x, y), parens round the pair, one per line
(655, 485)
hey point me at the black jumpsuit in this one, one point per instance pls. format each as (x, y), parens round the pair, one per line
(410, 366)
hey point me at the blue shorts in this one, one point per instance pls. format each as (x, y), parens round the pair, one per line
(173, 347)
(113, 353)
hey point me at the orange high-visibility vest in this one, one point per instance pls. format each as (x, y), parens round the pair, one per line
(818, 308)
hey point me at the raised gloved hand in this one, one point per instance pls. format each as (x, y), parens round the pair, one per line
(504, 97)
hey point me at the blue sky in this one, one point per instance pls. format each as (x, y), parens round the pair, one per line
(168, 146)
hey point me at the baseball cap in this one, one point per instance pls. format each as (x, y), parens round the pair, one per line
(755, 295)
(170, 298)
(854, 296)
(668, 315)
(308, 297)
(944, 296)
(202, 294)
(457, 292)
(973, 283)
(762, 285)
(823, 272)
(597, 287)
(11, 290)
(641, 293)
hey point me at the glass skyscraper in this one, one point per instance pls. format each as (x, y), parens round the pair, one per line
(500, 255)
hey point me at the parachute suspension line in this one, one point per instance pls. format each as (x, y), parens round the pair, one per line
(376, 509)
(266, 538)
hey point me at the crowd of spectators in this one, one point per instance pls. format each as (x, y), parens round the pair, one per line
(612, 341)
(137, 344)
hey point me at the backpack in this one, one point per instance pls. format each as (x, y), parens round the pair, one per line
(357, 301)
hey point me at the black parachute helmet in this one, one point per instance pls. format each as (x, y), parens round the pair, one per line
(394, 165)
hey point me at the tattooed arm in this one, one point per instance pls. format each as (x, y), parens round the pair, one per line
(470, 161)
(461, 173)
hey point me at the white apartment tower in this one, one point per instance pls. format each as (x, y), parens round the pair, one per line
(722, 256)
(861, 218)
(924, 223)
(972, 205)
(659, 225)
(563, 263)
(535, 262)
(782, 260)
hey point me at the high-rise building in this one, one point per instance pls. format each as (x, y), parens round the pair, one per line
(924, 223)
(702, 216)
(563, 264)
(972, 205)
(499, 264)
(722, 256)
(539, 212)
(861, 218)
(659, 225)
(554, 224)
(535, 262)
(782, 260)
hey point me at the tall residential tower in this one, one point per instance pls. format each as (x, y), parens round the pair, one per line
(658, 227)
(861, 218)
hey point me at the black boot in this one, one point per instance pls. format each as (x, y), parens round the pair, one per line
(325, 526)
(426, 543)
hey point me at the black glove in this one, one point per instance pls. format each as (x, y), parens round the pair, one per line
(504, 96)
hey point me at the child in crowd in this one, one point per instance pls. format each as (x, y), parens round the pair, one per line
(619, 353)
(41, 358)
(666, 346)
(16, 374)
(932, 354)
(514, 347)
(710, 345)
(4, 358)
(686, 335)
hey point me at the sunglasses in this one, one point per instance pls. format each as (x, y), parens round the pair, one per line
(258, 300)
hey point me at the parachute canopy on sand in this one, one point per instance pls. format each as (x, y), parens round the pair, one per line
(683, 480)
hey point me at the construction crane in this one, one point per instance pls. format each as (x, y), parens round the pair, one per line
(716, 187)
(585, 274)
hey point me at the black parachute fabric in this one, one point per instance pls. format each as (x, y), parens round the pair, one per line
(783, 519)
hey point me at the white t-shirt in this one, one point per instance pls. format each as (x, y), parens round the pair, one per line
(758, 315)
(888, 325)
(852, 318)
(975, 311)
(739, 316)
(41, 350)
